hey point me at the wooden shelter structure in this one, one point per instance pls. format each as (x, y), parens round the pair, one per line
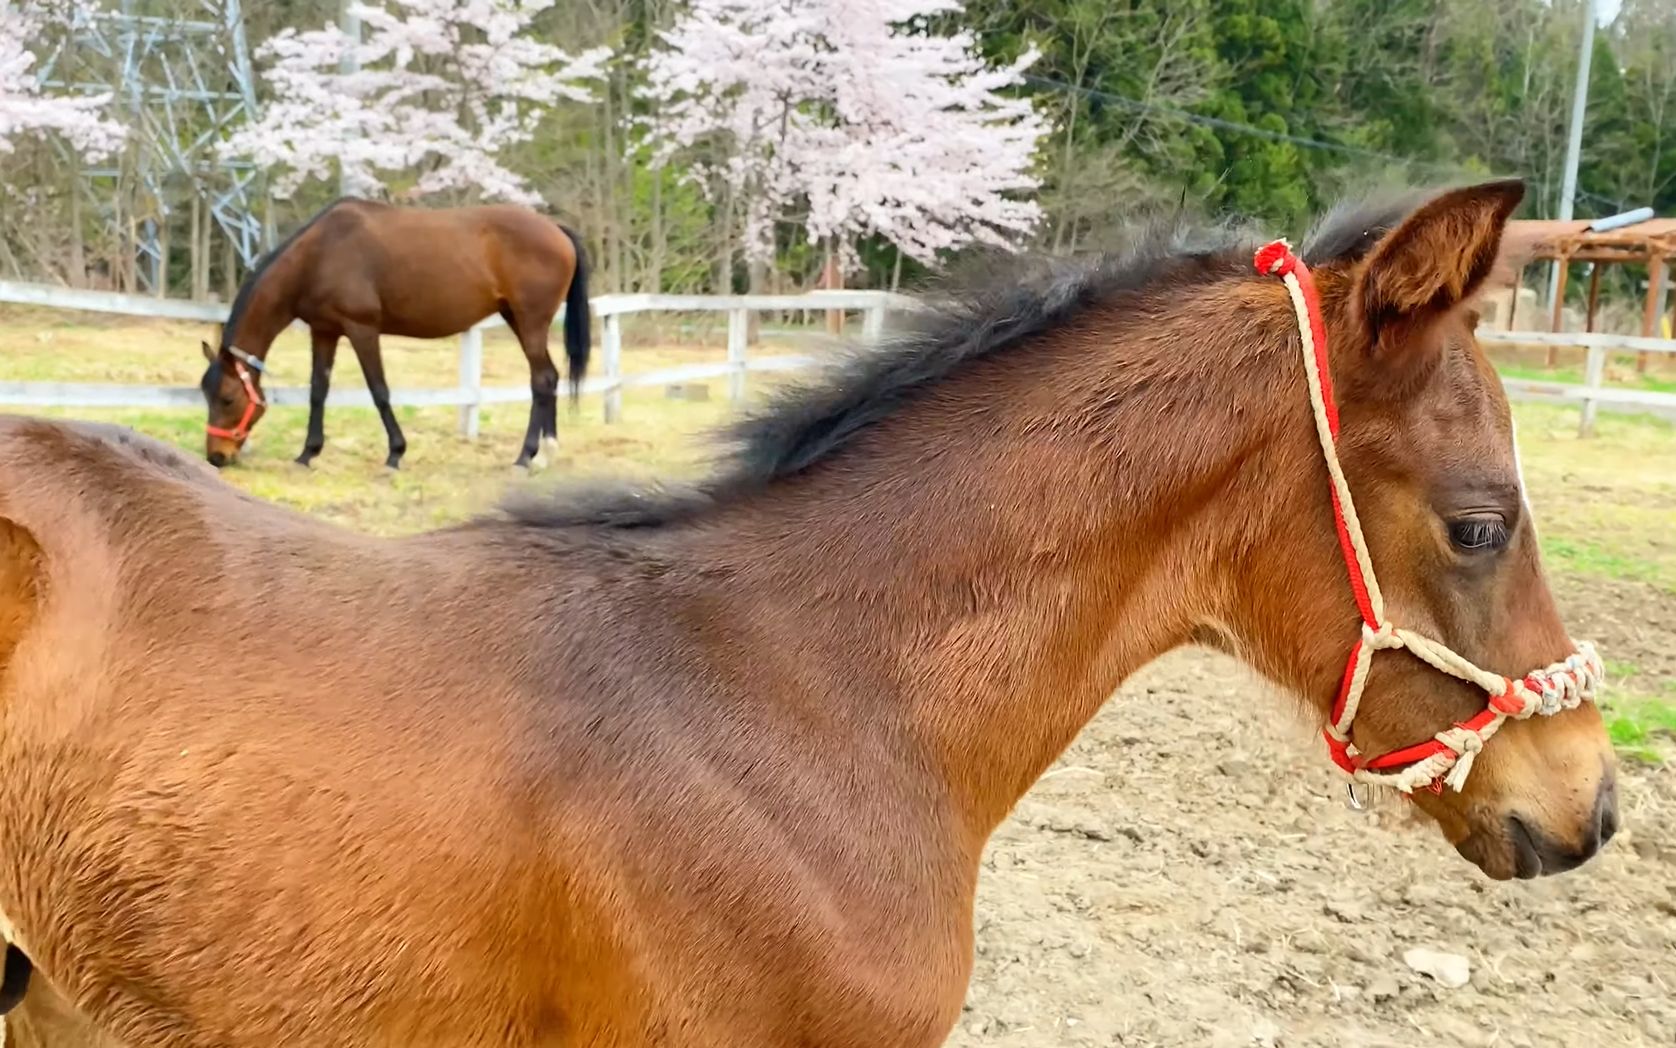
(1646, 241)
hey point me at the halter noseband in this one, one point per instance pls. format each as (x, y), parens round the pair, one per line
(1446, 758)
(243, 364)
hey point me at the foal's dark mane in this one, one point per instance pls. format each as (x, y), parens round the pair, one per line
(1010, 301)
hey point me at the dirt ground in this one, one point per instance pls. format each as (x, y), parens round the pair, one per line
(1188, 874)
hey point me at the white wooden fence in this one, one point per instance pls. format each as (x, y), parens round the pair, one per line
(470, 394)
(1594, 393)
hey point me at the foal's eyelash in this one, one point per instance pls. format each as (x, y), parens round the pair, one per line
(1479, 533)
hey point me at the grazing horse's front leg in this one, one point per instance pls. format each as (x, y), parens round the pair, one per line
(365, 342)
(325, 348)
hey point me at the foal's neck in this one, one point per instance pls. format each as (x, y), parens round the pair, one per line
(1018, 539)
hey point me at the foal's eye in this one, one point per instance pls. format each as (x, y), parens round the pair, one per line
(1478, 534)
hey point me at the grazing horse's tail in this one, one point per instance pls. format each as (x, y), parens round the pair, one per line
(577, 335)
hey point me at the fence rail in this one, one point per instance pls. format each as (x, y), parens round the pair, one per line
(1594, 393)
(469, 394)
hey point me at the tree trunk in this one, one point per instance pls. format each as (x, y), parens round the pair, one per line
(160, 287)
(758, 286)
(230, 278)
(833, 279)
(724, 244)
(78, 247)
(896, 273)
(654, 280)
(195, 253)
(131, 256)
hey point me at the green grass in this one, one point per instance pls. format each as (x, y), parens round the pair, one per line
(1641, 728)
(1531, 363)
(1640, 712)
(1606, 506)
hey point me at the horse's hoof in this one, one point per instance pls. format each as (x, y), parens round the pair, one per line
(393, 463)
(304, 460)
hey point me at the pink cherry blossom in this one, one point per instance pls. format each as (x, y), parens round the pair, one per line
(852, 111)
(29, 108)
(442, 88)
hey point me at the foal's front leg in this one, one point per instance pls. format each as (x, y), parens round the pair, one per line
(325, 348)
(372, 366)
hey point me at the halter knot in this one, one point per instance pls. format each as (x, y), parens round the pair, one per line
(1275, 259)
(1383, 638)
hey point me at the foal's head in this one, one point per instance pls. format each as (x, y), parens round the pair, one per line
(232, 388)
(1428, 452)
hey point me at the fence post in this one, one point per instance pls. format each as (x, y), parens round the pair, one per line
(1594, 376)
(471, 381)
(873, 323)
(611, 341)
(738, 328)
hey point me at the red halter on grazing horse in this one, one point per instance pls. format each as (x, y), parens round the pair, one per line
(360, 269)
(717, 768)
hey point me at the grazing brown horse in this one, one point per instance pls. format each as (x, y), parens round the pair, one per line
(359, 269)
(718, 769)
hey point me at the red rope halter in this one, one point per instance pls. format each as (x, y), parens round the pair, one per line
(243, 365)
(1447, 757)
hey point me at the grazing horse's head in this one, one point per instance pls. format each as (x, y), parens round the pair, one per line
(1432, 477)
(232, 387)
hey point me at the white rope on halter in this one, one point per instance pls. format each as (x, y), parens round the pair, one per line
(1561, 686)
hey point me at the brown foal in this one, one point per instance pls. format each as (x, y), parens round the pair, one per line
(715, 768)
(359, 269)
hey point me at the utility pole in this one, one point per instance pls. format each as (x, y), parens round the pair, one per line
(350, 24)
(1574, 141)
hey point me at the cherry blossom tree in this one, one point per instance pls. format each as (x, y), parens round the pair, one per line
(853, 109)
(442, 87)
(26, 106)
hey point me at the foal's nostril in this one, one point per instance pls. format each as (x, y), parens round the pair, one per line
(1606, 811)
(217, 459)
(1527, 856)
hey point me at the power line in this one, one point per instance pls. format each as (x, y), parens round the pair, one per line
(1172, 113)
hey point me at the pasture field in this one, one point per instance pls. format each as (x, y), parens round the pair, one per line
(1187, 874)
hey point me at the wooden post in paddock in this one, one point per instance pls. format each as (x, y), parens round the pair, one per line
(1594, 376)
(471, 381)
(1656, 267)
(738, 341)
(1513, 302)
(873, 324)
(1557, 324)
(611, 343)
(1594, 296)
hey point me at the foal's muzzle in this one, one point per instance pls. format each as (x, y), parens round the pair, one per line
(1522, 847)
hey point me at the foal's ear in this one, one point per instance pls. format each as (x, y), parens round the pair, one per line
(209, 354)
(1435, 260)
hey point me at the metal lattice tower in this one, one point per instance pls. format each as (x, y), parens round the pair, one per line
(183, 85)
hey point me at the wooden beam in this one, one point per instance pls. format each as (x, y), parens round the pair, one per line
(1513, 303)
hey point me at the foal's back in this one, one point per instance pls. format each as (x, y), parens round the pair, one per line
(251, 749)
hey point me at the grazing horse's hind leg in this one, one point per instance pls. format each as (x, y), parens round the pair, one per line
(365, 341)
(544, 382)
(325, 347)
